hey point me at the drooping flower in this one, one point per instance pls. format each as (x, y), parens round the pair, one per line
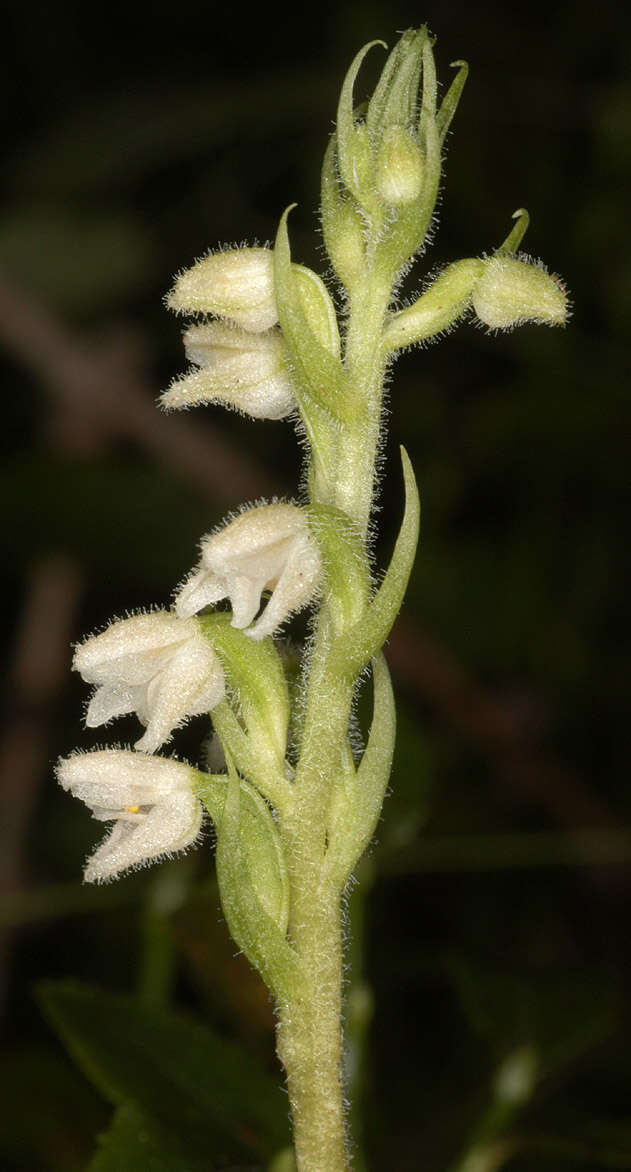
(237, 284)
(266, 548)
(149, 799)
(235, 367)
(157, 665)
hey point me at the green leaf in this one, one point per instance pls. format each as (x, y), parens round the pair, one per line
(257, 934)
(366, 790)
(449, 104)
(318, 377)
(344, 560)
(353, 147)
(358, 646)
(259, 841)
(255, 671)
(137, 1144)
(201, 1088)
(517, 233)
(318, 308)
(398, 107)
(341, 223)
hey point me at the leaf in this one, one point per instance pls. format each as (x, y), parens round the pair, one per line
(358, 646)
(250, 924)
(341, 222)
(368, 787)
(202, 1089)
(259, 841)
(349, 146)
(137, 1144)
(255, 671)
(451, 99)
(344, 560)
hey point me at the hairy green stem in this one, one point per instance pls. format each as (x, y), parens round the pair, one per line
(364, 362)
(310, 1026)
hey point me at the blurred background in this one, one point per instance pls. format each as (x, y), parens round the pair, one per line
(489, 1005)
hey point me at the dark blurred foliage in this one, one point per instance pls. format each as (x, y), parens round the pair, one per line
(495, 906)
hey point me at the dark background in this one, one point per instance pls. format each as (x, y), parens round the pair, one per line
(497, 899)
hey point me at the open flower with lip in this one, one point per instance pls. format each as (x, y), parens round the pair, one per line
(157, 665)
(234, 367)
(149, 799)
(266, 548)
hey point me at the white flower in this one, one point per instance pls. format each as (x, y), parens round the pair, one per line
(156, 665)
(241, 369)
(149, 799)
(237, 284)
(265, 548)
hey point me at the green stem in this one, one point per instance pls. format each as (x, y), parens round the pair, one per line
(310, 1026)
(310, 1033)
(357, 454)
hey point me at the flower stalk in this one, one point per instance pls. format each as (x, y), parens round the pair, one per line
(295, 807)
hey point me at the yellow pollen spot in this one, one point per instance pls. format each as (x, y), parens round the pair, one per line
(132, 809)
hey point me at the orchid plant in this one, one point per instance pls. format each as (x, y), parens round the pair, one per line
(297, 801)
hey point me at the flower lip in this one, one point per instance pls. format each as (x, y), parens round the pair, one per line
(240, 370)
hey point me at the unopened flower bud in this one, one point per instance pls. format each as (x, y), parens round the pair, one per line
(513, 290)
(234, 367)
(400, 167)
(238, 284)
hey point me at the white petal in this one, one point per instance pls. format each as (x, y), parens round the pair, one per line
(245, 598)
(192, 683)
(130, 650)
(202, 589)
(172, 825)
(296, 587)
(116, 778)
(107, 703)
